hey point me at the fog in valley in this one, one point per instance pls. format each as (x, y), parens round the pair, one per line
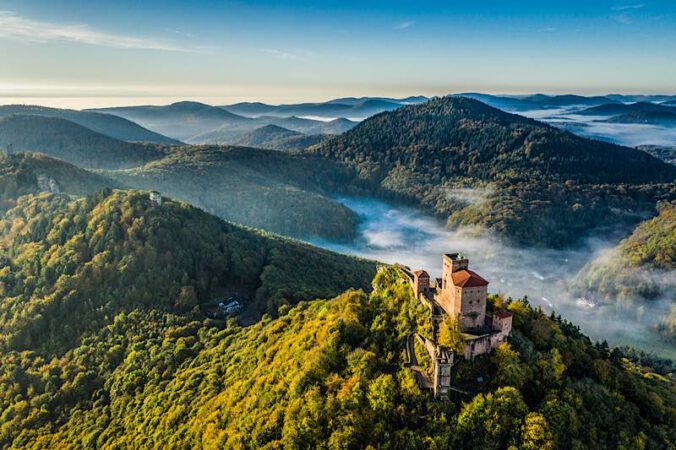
(399, 234)
(595, 127)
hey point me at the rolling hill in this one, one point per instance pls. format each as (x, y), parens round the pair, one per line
(116, 251)
(286, 194)
(273, 137)
(233, 135)
(181, 120)
(106, 124)
(198, 123)
(666, 154)
(665, 118)
(74, 143)
(542, 185)
(32, 173)
(620, 108)
(536, 101)
(350, 107)
(639, 271)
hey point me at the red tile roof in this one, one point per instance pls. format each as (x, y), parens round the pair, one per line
(466, 278)
(421, 273)
(502, 314)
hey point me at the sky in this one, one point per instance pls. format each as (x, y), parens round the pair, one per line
(79, 53)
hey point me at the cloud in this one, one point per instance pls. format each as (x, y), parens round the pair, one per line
(15, 27)
(624, 13)
(288, 54)
(404, 25)
(624, 19)
(628, 7)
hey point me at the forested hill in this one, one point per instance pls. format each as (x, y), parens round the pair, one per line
(460, 137)
(74, 143)
(31, 173)
(279, 192)
(68, 267)
(329, 374)
(106, 124)
(640, 271)
(542, 185)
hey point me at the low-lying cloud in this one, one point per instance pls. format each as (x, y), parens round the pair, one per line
(398, 234)
(628, 134)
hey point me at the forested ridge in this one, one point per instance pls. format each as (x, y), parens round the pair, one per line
(106, 124)
(639, 271)
(68, 266)
(74, 143)
(543, 185)
(288, 194)
(328, 374)
(20, 173)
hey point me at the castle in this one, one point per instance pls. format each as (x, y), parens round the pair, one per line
(462, 294)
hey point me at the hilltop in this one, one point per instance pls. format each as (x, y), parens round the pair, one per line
(85, 261)
(273, 137)
(542, 185)
(286, 194)
(328, 374)
(32, 173)
(71, 142)
(234, 135)
(106, 124)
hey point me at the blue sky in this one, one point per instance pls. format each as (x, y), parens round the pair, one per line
(114, 52)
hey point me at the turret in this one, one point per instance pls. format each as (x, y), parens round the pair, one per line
(421, 282)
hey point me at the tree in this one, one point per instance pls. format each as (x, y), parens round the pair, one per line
(511, 372)
(382, 394)
(187, 298)
(450, 335)
(535, 433)
(492, 421)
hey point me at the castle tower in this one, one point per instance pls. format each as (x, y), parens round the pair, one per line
(421, 282)
(155, 197)
(442, 374)
(463, 292)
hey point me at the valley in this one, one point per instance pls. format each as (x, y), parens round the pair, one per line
(394, 233)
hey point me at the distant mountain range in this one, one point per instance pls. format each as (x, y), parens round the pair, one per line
(631, 108)
(199, 123)
(106, 124)
(665, 118)
(228, 134)
(181, 120)
(349, 107)
(536, 101)
(71, 142)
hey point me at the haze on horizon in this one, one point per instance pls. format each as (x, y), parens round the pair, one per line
(78, 53)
